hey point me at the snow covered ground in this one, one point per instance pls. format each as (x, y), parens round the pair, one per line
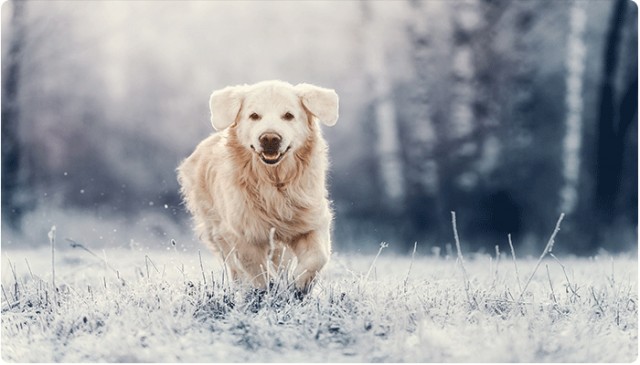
(134, 305)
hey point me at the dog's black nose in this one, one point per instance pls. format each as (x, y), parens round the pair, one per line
(270, 142)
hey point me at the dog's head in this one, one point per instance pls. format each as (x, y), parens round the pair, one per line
(272, 118)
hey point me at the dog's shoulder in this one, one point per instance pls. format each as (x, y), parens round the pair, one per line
(210, 145)
(205, 151)
(197, 172)
(202, 161)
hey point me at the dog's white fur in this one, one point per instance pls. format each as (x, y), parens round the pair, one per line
(236, 198)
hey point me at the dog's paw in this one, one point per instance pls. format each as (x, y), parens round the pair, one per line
(299, 295)
(255, 299)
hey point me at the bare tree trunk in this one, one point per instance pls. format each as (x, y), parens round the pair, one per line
(11, 148)
(465, 23)
(613, 124)
(572, 144)
(387, 142)
(423, 200)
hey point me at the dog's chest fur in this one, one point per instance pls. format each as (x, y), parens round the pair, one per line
(278, 204)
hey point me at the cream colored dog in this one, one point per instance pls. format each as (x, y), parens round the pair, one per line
(265, 169)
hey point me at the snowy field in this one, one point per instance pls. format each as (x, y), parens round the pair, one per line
(134, 305)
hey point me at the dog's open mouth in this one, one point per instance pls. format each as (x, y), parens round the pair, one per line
(272, 158)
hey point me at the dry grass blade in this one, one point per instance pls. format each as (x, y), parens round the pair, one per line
(495, 271)
(573, 290)
(515, 263)
(29, 268)
(204, 279)
(148, 260)
(52, 241)
(553, 293)
(413, 254)
(383, 245)
(75, 244)
(226, 270)
(13, 270)
(6, 298)
(597, 301)
(460, 257)
(547, 250)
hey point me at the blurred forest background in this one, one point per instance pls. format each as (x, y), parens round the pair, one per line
(508, 112)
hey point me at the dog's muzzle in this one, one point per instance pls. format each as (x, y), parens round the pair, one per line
(270, 146)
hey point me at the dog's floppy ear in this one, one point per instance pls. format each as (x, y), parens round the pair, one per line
(321, 102)
(225, 105)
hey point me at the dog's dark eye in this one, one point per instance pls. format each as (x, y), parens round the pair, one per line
(255, 116)
(287, 116)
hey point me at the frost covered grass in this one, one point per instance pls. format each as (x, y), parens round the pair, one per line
(129, 305)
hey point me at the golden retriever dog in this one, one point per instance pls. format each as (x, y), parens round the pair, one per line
(265, 169)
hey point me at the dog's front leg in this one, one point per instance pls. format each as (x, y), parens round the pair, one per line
(312, 250)
(253, 260)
